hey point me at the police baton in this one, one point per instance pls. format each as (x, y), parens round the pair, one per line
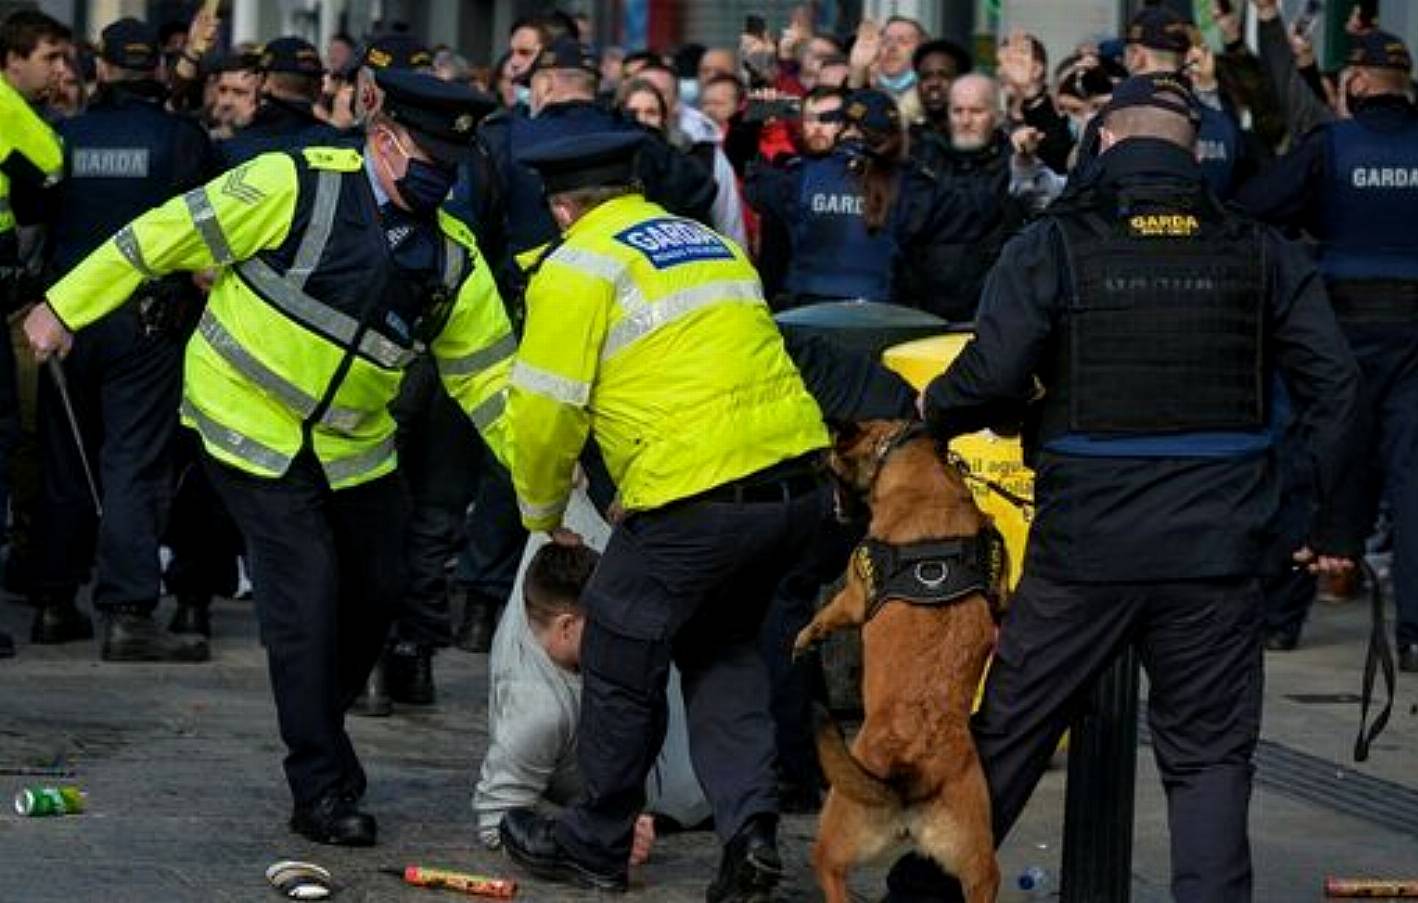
(56, 370)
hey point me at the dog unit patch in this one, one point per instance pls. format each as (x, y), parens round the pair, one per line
(668, 242)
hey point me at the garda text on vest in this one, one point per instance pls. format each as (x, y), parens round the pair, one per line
(668, 242)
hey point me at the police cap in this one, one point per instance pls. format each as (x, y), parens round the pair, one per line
(871, 111)
(1161, 90)
(565, 53)
(1159, 28)
(960, 55)
(440, 115)
(291, 54)
(1379, 50)
(130, 44)
(585, 161)
(396, 51)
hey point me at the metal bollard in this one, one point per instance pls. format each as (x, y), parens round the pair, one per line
(1102, 778)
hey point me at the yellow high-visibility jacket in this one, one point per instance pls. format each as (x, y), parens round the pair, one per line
(23, 132)
(650, 332)
(308, 326)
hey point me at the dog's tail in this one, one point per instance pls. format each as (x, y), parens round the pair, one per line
(844, 772)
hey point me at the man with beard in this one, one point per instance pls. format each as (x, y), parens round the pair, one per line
(937, 64)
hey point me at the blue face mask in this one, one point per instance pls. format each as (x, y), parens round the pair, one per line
(689, 91)
(522, 94)
(423, 186)
(897, 84)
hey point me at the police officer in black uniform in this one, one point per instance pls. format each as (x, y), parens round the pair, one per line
(1353, 185)
(837, 252)
(125, 154)
(563, 81)
(286, 119)
(1136, 332)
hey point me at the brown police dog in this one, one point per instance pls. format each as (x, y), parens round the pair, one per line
(912, 779)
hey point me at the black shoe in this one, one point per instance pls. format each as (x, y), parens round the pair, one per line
(1408, 656)
(530, 839)
(192, 616)
(334, 819)
(137, 638)
(409, 670)
(7, 645)
(750, 867)
(374, 702)
(1282, 640)
(479, 622)
(61, 623)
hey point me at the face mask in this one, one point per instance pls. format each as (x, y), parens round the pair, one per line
(897, 84)
(424, 186)
(1075, 127)
(522, 94)
(689, 91)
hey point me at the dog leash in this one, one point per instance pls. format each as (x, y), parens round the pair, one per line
(1379, 657)
(1025, 505)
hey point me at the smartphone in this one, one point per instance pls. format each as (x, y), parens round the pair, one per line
(764, 110)
(755, 26)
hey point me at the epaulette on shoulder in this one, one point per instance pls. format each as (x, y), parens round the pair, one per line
(338, 159)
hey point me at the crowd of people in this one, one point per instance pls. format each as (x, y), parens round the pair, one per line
(334, 320)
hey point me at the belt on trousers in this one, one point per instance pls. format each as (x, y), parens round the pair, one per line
(779, 483)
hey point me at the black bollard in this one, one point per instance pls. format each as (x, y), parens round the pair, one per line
(1102, 775)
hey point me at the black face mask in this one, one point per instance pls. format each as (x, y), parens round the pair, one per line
(424, 186)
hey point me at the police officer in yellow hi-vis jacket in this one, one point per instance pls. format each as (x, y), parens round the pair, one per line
(335, 268)
(650, 332)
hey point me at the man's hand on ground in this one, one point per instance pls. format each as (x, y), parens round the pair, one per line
(644, 839)
(1333, 565)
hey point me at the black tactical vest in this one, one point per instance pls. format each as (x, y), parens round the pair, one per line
(1163, 331)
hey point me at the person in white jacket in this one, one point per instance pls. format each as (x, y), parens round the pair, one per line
(534, 704)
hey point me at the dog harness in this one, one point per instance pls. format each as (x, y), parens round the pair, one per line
(931, 572)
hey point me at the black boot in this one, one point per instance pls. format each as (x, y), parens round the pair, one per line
(530, 839)
(134, 637)
(193, 615)
(374, 702)
(7, 645)
(1408, 657)
(409, 670)
(479, 622)
(335, 819)
(750, 867)
(59, 621)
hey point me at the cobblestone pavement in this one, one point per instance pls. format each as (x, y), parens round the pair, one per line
(181, 764)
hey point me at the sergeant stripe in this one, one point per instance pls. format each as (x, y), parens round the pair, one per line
(317, 233)
(205, 218)
(339, 419)
(127, 243)
(481, 359)
(538, 512)
(550, 385)
(359, 464)
(486, 413)
(243, 447)
(320, 316)
(671, 308)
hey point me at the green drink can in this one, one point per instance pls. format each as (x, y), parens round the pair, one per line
(40, 801)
